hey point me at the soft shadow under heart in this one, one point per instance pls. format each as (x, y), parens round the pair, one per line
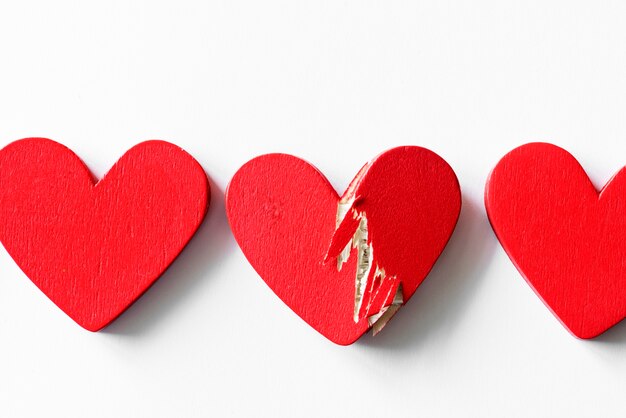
(438, 303)
(614, 335)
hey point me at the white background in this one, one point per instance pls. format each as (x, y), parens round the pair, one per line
(334, 82)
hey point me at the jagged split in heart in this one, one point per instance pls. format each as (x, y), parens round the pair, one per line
(378, 296)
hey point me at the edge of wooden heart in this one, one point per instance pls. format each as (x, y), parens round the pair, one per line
(566, 153)
(95, 182)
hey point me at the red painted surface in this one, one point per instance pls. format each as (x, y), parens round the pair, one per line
(94, 248)
(567, 239)
(282, 212)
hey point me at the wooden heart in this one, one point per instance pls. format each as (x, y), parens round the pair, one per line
(567, 239)
(344, 264)
(94, 248)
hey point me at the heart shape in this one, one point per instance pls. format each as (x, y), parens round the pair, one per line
(95, 248)
(566, 239)
(297, 232)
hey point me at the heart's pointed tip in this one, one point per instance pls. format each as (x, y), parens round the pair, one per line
(92, 324)
(344, 342)
(581, 336)
(92, 327)
(585, 335)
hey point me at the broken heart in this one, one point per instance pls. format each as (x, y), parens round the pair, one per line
(298, 233)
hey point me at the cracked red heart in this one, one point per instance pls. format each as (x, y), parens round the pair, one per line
(344, 263)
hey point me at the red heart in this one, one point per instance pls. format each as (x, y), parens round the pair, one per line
(567, 239)
(94, 248)
(284, 215)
